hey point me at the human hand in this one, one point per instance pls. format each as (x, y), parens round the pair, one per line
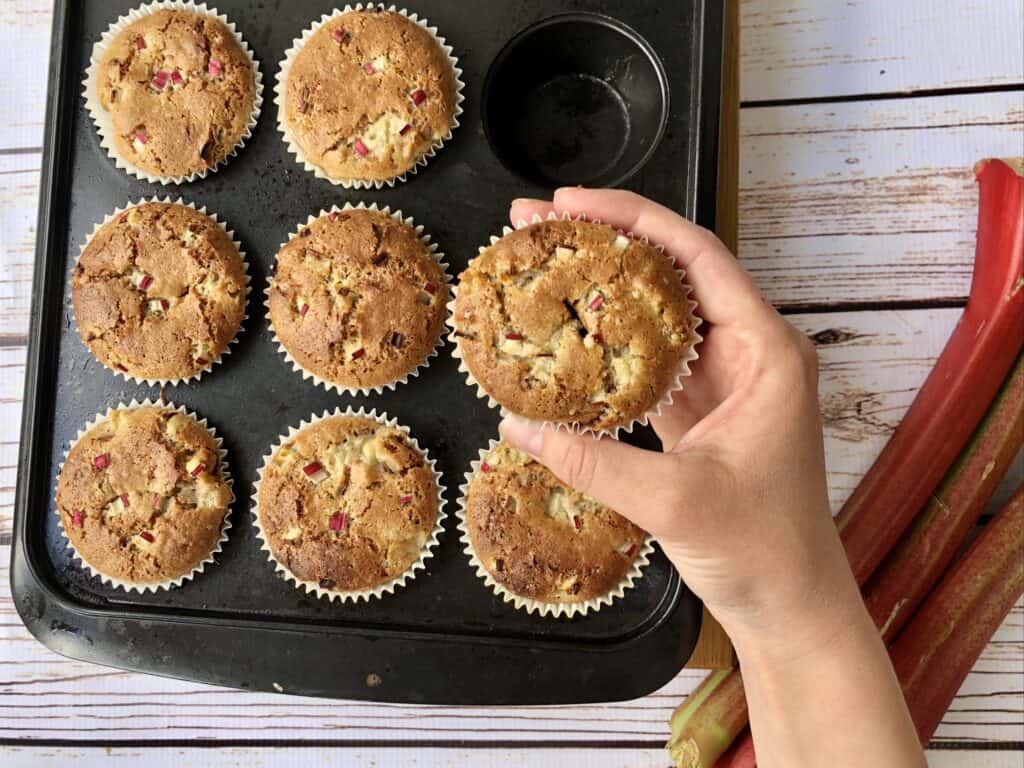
(737, 499)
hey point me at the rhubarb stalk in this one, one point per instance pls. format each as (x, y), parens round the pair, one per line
(708, 720)
(941, 644)
(959, 388)
(949, 405)
(926, 550)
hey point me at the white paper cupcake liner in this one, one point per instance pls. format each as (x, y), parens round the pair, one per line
(245, 313)
(101, 118)
(282, 80)
(388, 587)
(431, 249)
(554, 610)
(676, 385)
(225, 475)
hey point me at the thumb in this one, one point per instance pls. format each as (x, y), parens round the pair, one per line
(638, 484)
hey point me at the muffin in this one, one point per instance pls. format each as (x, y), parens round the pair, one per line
(179, 92)
(543, 544)
(348, 506)
(572, 322)
(159, 292)
(368, 95)
(357, 299)
(142, 497)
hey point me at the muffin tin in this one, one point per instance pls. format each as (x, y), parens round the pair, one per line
(445, 638)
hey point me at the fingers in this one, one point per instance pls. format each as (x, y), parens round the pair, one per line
(524, 209)
(610, 471)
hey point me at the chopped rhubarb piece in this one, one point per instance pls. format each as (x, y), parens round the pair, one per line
(303, 106)
(598, 338)
(430, 288)
(202, 361)
(368, 68)
(577, 523)
(157, 498)
(141, 137)
(122, 368)
(124, 499)
(303, 310)
(140, 42)
(514, 336)
(358, 353)
(360, 148)
(214, 68)
(176, 78)
(312, 468)
(405, 129)
(197, 470)
(159, 81)
(485, 467)
(101, 462)
(418, 96)
(165, 304)
(332, 216)
(404, 499)
(596, 303)
(338, 522)
(341, 36)
(124, 218)
(145, 282)
(147, 536)
(77, 518)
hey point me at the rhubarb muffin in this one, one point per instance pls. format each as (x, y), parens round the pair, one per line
(572, 322)
(159, 292)
(368, 95)
(541, 543)
(143, 495)
(179, 92)
(348, 506)
(357, 299)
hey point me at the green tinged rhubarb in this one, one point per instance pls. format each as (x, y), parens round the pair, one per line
(706, 723)
(944, 639)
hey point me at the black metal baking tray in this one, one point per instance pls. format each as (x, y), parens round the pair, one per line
(445, 638)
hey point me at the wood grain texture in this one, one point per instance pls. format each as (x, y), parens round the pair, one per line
(374, 757)
(823, 48)
(856, 202)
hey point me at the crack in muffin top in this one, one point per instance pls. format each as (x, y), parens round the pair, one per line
(570, 321)
(357, 298)
(368, 95)
(347, 503)
(541, 539)
(180, 92)
(159, 292)
(141, 496)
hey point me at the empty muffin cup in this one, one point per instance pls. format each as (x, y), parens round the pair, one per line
(577, 98)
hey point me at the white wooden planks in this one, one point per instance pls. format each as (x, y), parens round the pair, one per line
(826, 48)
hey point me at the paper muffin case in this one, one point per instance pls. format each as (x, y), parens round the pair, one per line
(431, 249)
(225, 476)
(101, 118)
(554, 610)
(282, 82)
(388, 587)
(674, 386)
(245, 310)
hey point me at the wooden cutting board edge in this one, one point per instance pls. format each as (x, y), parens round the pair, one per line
(714, 650)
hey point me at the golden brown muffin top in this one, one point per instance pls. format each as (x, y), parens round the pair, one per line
(179, 90)
(347, 503)
(141, 496)
(357, 298)
(570, 321)
(541, 539)
(368, 95)
(159, 292)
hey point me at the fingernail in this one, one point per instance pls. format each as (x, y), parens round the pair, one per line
(522, 434)
(526, 201)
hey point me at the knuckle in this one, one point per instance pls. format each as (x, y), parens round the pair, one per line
(578, 463)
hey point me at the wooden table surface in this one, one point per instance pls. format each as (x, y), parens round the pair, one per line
(860, 122)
